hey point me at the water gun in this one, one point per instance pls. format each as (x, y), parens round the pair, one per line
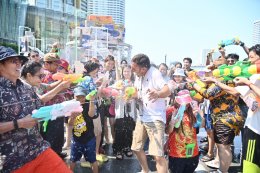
(232, 41)
(196, 96)
(240, 68)
(198, 122)
(74, 78)
(54, 111)
(129, 92)
(110, 92)
(92, 93)
(194, 75)
(122, 83)
(178, 117)
(252, 69)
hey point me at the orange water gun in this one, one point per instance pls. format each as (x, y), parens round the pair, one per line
(74, 78)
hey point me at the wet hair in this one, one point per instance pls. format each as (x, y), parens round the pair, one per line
(142, 60)
(89, 67)
(188, 59)
(232, 56)
(256, 49)
(163, 64)
(32, 51)
(109, 58)
(31, 67)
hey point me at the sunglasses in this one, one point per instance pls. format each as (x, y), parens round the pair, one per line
(61, 68)
(36, 55)
(40, 76)
(230, 60)
(16, 61)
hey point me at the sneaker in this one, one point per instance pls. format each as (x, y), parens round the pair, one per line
(85, 164)
(101, 158)
(63, 155)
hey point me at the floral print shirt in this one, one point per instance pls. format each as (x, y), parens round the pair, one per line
(178, 141)
(22, 145)
(48, 80)
(221, 101)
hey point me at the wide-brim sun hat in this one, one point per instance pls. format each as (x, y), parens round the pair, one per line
(7, 52)
(179, 72)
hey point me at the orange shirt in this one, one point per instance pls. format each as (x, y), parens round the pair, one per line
(178, 141)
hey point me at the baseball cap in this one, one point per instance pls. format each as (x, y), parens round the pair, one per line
(51, 57)
(79, 91)
(64, 64)
(7, 52)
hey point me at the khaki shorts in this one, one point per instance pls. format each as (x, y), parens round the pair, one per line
(97, 126)
(155, 132)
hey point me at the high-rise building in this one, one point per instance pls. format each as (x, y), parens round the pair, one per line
(114, 8)
(256, 32)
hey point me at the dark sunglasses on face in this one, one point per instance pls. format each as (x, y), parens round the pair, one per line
(36, 55)
(16, 61)
(40, 76)
(60, 68)
(230, 60)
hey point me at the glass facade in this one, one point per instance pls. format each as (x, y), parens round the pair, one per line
(51, 24)
(114, 8)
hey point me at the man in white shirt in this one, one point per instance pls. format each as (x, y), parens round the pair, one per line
(151, 91)
(251, 137)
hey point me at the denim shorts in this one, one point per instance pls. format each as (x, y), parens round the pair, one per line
(208, 122)
(88, 150)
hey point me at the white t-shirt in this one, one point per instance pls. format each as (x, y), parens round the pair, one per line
(253, 121)
(122, 107)
(150, 111)
(253, 118)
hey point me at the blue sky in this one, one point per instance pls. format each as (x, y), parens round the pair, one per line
(181, 28)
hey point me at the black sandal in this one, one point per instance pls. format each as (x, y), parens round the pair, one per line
(128, 152)
(119, 156)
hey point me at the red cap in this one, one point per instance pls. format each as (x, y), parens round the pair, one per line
(64, 64)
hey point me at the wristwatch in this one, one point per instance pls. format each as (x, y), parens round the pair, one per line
(15, 124)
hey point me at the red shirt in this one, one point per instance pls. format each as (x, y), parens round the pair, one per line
(178, 140)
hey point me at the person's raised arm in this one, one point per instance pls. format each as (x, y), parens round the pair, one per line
(52, 93)
(242, 80)
(226, 88)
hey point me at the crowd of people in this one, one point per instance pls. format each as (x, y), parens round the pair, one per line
(160, 111)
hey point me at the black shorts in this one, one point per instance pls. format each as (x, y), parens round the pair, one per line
(183, 165)
(104, 111)
(223, 134)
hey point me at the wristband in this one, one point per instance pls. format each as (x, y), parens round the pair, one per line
(242, 44)
(15, 124)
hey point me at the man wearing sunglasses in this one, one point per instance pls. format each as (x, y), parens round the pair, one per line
(55, 130)
(232, 58)
(34, 56)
